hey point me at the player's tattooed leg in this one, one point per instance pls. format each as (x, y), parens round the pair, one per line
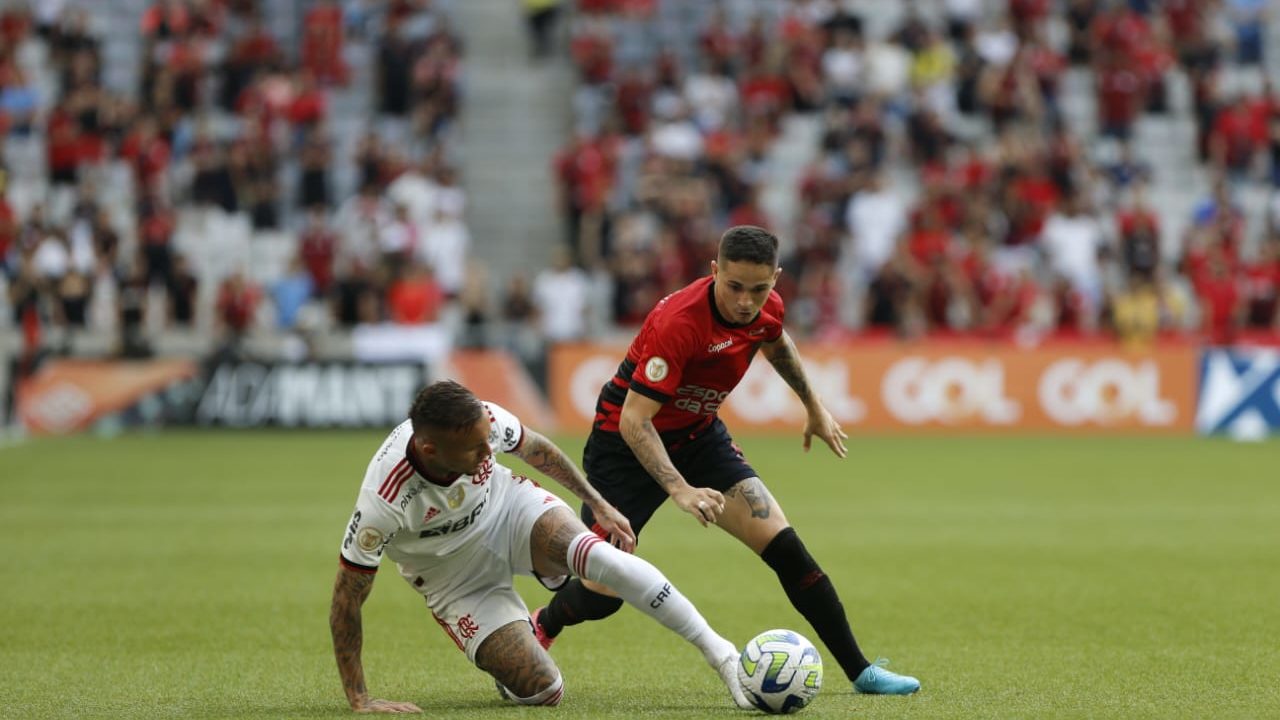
(549, 542)
(751, 514)
(755, 494)
(514, 658)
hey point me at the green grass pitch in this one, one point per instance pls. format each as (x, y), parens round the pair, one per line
(188, 575)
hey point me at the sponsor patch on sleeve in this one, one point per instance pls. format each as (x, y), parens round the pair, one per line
(369, 539)
(656, 369)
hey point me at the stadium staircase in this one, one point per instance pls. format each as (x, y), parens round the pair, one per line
(516, 115)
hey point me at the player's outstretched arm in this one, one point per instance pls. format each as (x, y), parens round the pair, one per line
(785, 358)
(350, 590)
(547, 458)
(636, 426)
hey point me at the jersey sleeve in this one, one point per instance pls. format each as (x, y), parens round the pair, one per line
(372, 525)
(506, 433)
(661, 360)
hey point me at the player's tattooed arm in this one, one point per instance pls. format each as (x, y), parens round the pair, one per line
(547, 458)
(350, 589)
(642, 437)
(636, 427)
(785, 358)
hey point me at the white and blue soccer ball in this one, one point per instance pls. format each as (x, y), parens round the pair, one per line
(780, 671)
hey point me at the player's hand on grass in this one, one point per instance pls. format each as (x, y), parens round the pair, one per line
(704, 504)
(368, 706)
(821, 424)
(617, 526)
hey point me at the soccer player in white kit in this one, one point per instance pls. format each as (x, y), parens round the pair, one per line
(459, 525)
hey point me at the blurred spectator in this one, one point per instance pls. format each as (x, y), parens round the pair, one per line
(416, 190)
(477, 314)
(322, 42)
(1238, 135)
(133, 290)
(156, 224)
(1121, 94)
(8, 232)
(236, 308)
(359, 224)
(182, 293)
(212, 181)
(398, 241)
(1075, 244)
(1248, 19)
(290, 293)
(874, 220)
(313, 185)
(317, 249)
(395, 59)
(414, 298)
(1136, 314)
(18, 99)
(561, 296)
(518, 307)
(1139, 230)
(445, 246)
(522, 328)
(1261, 287)
(1127, 168)
(1222, 306)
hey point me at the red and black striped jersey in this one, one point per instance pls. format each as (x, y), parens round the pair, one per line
(688, 357)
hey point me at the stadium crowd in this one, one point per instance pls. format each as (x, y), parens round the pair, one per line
(948, 189)
(949, 192)
(227, 123)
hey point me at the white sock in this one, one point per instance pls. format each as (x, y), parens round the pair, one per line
(646, 589)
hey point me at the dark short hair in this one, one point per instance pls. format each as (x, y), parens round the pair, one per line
(748, 243)
(445, 405)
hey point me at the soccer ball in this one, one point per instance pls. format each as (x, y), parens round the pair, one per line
(780, 671)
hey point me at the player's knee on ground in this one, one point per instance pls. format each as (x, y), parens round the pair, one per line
(548, 695)
(787, 556)
(512, 655)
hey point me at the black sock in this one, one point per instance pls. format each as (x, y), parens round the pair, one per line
(811, 593)
(574, 604)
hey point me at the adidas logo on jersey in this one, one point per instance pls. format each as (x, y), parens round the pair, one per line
(431, 512)
(461, 523)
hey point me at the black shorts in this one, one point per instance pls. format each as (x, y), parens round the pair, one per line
(707, 458)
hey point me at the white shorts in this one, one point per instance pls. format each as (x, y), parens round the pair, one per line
(470, 592)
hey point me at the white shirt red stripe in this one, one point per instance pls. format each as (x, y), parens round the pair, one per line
(401, 514)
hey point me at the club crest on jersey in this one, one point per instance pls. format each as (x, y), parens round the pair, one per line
(455, 496)
(431, 512)
(656, 369)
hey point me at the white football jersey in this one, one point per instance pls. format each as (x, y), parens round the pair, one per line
(414, 520)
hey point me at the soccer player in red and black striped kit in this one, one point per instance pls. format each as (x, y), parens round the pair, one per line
(656, 435)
